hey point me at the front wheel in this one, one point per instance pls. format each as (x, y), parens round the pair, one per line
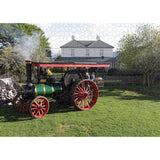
(39, 107)
(85, 94)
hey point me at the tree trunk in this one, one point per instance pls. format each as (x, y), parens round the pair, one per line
(153, 79)
(148, 80)
(144, 80)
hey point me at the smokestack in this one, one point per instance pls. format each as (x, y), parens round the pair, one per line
(28, 71)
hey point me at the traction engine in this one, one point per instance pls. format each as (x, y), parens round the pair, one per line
(73, 88)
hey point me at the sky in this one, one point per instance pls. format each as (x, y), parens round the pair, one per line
(60, 33)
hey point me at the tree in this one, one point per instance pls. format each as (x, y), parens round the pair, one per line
(20, 41)
(12, 63)
(13, 34)
(141, 52)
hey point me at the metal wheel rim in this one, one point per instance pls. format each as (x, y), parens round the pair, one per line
(39, 107)
(85, 95)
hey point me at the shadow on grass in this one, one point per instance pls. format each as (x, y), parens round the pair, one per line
(129, 92)
(60, 108)
(8, 114)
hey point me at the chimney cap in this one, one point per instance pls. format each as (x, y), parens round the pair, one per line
(73, 37)
(98, 37)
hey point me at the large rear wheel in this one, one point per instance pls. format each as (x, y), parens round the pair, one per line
(85, 94)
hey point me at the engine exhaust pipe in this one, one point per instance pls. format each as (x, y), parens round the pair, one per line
(29, 71)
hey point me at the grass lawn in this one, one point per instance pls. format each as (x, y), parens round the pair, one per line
(121, 110)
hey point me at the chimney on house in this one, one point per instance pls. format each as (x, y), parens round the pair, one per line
(73, 37)
(98, 37)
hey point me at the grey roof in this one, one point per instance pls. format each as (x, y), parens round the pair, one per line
(73, 44)
(87, 59)
(100, 44)
(86, 44)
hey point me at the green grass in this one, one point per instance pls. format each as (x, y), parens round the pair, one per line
(121, 110)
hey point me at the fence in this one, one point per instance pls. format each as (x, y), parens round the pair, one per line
(121, 79)
(128, 79)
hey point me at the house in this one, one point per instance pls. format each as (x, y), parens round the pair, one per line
(87, 51)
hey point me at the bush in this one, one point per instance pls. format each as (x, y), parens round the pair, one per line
(112, 71)
(116, 72)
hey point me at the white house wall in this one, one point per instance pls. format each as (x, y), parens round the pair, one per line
(108, 52)
(93, 52)
(80, 52)
(66, 52)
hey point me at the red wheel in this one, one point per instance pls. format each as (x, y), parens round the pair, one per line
(20, 104)
(39, 107)
(85, 94)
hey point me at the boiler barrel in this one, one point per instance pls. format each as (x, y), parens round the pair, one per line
(43, 89)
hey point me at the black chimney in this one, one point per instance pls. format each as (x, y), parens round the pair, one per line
(29, 71)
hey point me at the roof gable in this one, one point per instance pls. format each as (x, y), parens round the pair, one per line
(86, 43)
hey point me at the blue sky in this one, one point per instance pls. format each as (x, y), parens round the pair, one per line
(111, 33)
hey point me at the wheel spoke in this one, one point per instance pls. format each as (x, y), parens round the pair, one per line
(80, 89)
(33, 112)
(36, 103)
(37, 112)
(82, 84)
(42, 111)
(87, 103)
(80, 102)
(77, 99)
(83, 103)
(33, 108)
(43, 106)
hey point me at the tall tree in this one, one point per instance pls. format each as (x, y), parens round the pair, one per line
(141, 52)
(12, 63)
(18, 41)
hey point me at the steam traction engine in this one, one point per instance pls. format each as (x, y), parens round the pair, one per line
(73, 88)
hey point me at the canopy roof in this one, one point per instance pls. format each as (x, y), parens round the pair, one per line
(69, 64)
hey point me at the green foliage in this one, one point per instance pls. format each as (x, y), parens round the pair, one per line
(12, 63)
(112, 71)
(20, 41)
(10, 32)
(59, 56)
(141, 52)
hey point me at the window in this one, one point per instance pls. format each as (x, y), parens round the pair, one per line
(101, 52)
(87, 52)
(72, 52)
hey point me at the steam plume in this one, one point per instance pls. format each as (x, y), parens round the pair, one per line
(27, 45)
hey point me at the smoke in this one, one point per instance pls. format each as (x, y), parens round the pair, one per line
(28, 44)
